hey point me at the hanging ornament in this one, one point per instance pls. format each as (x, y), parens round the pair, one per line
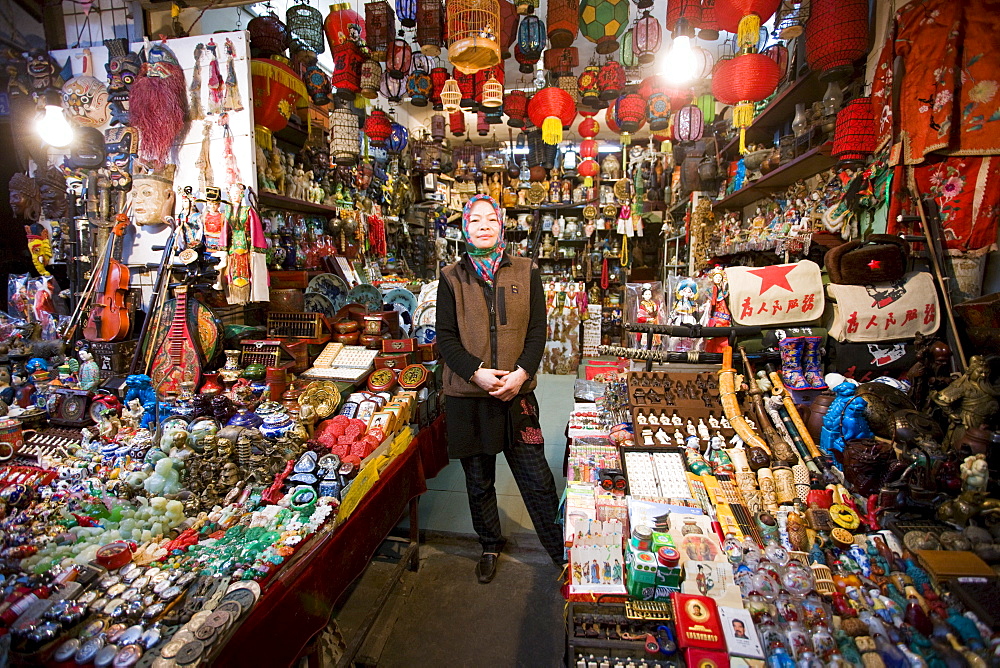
(451, 97)
(437, 127)
(836, 36)
(689, 10)
(646, 38)
(508, 27)
(611, 80)
(707, 105)
(305, 24)
(398, 58)
(473, 33)
(854, 137)
(588, 128)
(602, 21)
(626, 50)
(398, 138)
(371, 78)
(630, 111)
(742, 81)
(347, 62)
(482, 125)
(492, 95)
(551, 109)
(393, 88)
(745, 17)
(456, 121)
(654, 90)
(318, 85)
(562, 17)
(588, 168)
(587, 83)
(406, 12)
(779, 54)
(430, 26)
(380, 21)
(588, 148)
(418, 87)
(689, 124)
(277, 92)
(515, 105)
(378, 127)
(344, 144)
(343, 24)
(467, 84)
(268, 35)
(560, 62)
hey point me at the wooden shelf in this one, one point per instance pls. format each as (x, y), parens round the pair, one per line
(808, 164)
(780, 110)
(281, 202)
(550, 207)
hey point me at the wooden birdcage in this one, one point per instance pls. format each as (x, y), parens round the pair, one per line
(474, 34)
(493, 93)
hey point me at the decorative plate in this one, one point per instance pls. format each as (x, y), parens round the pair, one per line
(590, 212)
(425, 334)
(330, 286)
(403, 297)
(426, 313)
(536, 194)
(368, 295)
(319, 303)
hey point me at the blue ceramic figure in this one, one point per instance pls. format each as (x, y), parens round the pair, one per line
(832, 428)
(140, 386)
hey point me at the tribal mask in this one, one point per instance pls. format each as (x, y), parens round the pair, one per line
(86, 97)
(123, 69)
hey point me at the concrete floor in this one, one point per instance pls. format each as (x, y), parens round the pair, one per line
(441, 616)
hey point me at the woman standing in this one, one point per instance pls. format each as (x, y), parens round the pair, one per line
(491, 335)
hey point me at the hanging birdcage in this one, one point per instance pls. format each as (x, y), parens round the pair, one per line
(492, 95)
(344, 143)
(790, 19)
(469, 155)
(380, 22)
(305, 23)
(473, 33)
(451, 97)
(494, 159)
(430, 26)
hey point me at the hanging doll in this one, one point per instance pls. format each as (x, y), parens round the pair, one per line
(236, 239)
(718, 308)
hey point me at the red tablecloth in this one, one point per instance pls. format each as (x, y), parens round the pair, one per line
(297, 603)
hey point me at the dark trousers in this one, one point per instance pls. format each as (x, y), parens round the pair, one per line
(538, 489)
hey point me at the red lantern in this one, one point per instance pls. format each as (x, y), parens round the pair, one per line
(651, 84)
(689, 123)
(343, 24)
(380, 23)
(587, 84)
(439, 76)
(560, 62)
(563, 22)
(854, 138)
(277, 91)
(679, 97)
(779, 54)
(430, 26)
(708, 24)
(630, 111)
(611, 121)
(515, 105)
(508, 27)
(456, 121)
(346, 76)
(730, 13)
(741, 81)
(611, 80)
(378, 127)
(836, 36)
(398, 58)
(551, 109)
(466, 84)
(588, 168)
(482, 125)
(589, 128)
(686, 9)
(588, 148)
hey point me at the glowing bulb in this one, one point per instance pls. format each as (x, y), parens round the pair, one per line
(53, 127)
(679, 66)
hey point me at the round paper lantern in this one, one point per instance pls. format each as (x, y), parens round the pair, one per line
(589, 128)
(456, 121)
(380, 25)
(587, 83)
(393, 89)
(646, 38)
(551, 109)
(378, 127)
(430, 26)
(742, 81)
(689, 124)
(736, 16)
(563, 21)
(611, 121)
(515, 105)
(611, 80)
(630, 110)
(398, 137)
(371, 78)
(398, 58)
(779, 54)
(626, 52)
(406, 12)
(451, 97)
(588, 169)
(854, 138)
(525, 61)
(439, 76)
(268, 35)
(343, 24)
(588, 148)
(277, 92)
(836, 36)
(602, 21)
(473, 28)
(508, 27)
(346, 76)
(418, 87)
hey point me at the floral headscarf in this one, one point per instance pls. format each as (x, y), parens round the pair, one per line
(484, 260)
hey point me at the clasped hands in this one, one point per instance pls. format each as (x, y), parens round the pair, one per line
(504, 385)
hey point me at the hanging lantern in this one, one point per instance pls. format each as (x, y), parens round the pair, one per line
(562, 18)
(473, 34)
(398, 137)
(551, 109)
(626, 49)
(456, 121)
(347, 62)
(492, 93)
(406, 12)
(317, 85)
(569, 160)
(378, 127)
(588, 169)
(630, 110)
(439, 76)
(508, 27)
(418, 87)
(530, 39)
(587, 83)
(430, 26)
(689, 10)
(611, 121)
(708, 24)
(744, 17)
(779, 54)
(602, 21)
(588, 148)
(305, 23)
(466, 84)
(277, 92)
(344, 24)
(836, 36)
(515, 105)
(854, 138)
(482, 125)
(398, 58)
(646, 38)
(536, 147)
(344, 144)
(371, 78)
(611, 80)
(658, 110)
(704, 62)
(526, 63)
(568, 84)
(437, 127)
(380, 22)
(451, 97)
(392, 88)
(588, 128)
(742, 81)
(560, 62)
(689, 124)
(268, 35)
(707, 105)
(790, 19)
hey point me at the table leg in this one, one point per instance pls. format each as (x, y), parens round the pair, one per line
(415, 533)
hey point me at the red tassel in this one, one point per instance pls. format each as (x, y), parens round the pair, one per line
(158, 108)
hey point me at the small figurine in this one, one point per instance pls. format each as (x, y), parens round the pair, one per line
(683, 309)
(89, 372)
(969, 401)
(975, 473)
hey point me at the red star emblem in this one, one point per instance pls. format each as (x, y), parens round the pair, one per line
(774, 276)
(875, 264)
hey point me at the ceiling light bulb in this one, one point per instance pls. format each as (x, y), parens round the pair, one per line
(53, 127)
(679, 66)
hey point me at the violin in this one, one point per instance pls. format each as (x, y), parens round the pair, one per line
(109, 318)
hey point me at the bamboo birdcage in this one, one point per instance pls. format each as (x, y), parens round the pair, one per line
(473, 34)
(493, 93)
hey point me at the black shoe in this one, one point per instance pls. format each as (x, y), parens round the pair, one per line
(486, 569)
